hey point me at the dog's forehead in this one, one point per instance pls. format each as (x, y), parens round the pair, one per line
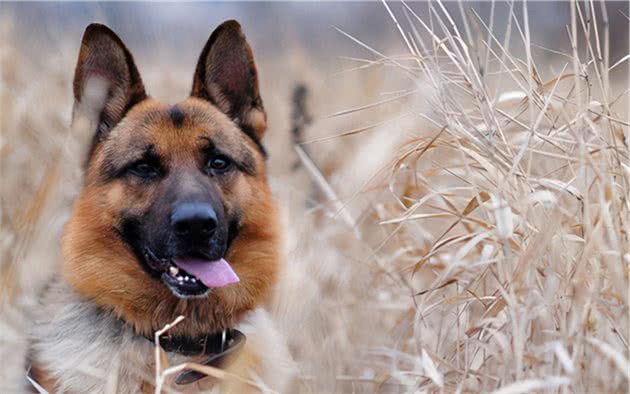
(178, 128)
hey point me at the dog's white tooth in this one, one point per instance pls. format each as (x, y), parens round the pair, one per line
(173, 270)
(193, 280)
(186, 278)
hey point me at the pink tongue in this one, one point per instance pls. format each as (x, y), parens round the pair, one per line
(211, 273)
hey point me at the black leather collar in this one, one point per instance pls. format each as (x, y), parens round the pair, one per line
(221, 347)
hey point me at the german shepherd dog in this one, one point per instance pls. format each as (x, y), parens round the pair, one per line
(175, 218)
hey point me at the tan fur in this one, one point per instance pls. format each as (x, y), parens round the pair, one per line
(100, 267)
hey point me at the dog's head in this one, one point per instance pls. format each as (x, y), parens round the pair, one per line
(175, 216)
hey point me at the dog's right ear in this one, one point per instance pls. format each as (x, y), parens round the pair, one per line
(105, 65)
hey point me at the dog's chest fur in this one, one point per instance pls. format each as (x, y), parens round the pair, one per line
(88, 350)
(84, 348)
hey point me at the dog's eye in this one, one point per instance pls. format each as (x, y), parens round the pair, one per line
(143, 169)
(219, 164)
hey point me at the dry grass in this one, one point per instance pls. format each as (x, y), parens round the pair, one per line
(484, 250)
(504, 260)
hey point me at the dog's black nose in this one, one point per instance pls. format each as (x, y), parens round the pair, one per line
(194, 220)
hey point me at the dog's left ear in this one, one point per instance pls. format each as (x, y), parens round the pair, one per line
(104, 58)
(226, 76)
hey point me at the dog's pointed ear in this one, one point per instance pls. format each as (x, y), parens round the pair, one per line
(105, 64)
(226, 76)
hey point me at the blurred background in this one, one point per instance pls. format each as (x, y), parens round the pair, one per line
(347, 302)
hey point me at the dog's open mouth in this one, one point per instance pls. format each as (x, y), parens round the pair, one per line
(194, 277)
